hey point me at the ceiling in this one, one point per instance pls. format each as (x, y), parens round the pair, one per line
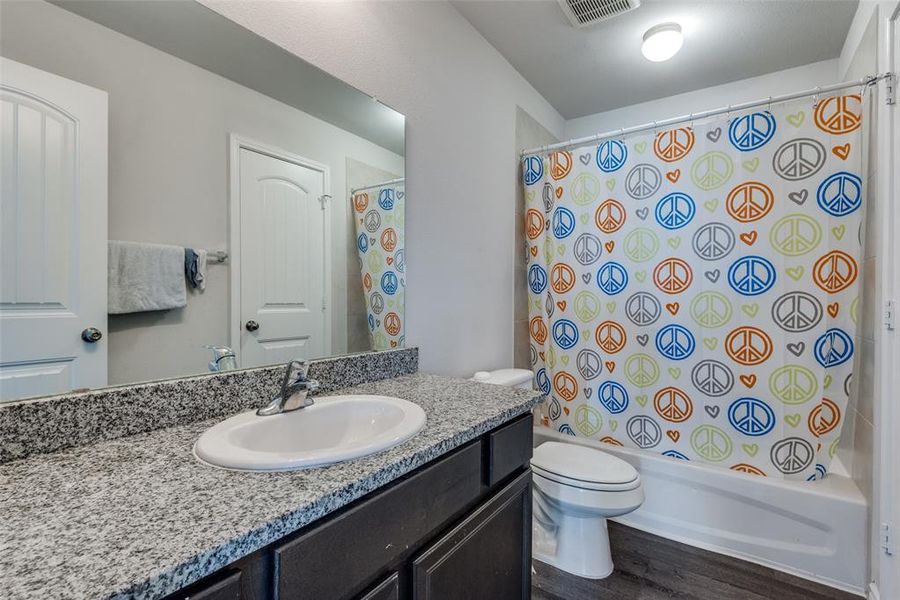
(599, 68)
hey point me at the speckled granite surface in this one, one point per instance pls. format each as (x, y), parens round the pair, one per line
(138, 517)
(58, 422)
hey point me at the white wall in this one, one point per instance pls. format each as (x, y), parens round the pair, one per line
(169, 126)
(745, 90)
(459, 96)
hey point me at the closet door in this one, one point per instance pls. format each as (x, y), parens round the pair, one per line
(53, 164)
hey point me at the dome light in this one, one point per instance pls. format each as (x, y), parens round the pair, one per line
(662, 42)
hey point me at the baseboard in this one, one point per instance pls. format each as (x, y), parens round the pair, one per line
(872, 592)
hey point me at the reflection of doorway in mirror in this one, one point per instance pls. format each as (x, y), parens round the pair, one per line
(281, 233)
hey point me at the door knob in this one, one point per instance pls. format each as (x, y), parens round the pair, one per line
(91, 335)
(252, 325)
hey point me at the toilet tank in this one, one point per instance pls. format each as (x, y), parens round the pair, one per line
(519, 378)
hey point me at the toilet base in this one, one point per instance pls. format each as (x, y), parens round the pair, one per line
(581, 548)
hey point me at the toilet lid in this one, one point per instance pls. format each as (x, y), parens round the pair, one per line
(581, 463)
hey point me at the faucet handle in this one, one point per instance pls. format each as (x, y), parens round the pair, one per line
(295, 372)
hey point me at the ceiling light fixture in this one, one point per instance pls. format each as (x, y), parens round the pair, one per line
(662, 42)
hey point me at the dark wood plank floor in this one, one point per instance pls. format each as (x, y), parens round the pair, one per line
(649, 567)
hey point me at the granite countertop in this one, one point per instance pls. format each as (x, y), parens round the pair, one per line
(139, 517)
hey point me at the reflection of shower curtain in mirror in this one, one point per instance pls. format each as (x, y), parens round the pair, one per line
(379, 214)
(695, 291)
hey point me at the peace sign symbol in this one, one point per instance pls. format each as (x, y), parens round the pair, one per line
(641, 370)
(589, 363)
(611, 155)
(795, 235)
(565, 334)
(673, 275)
(534, 223)
(588, 420)
(641, 244)
(793, 384)
(675, 454)
(386, 198)
(565, 386)
(563, 222)
(798, 159)
(610, 336)
(392, 323)
(751, 275)
(712, 170)
(376, 303)
(389, 239)
(613, 396)
(566, 429)
(389, 283)
(549, 305)
(835, 271)
(673, 405)
(748, 345)
(587, 306)
(584, 189)
(750, 469)
(612, 278)
(711, 443)
(713, 241)
(824, 418)
(360, 202)
(533, 169)
(560, 164)
(712, 378)
(610, 216)
(675, 342)
(751, 416)
(543, 384)
(797, 311)
(791, 455)
(673, 144)
(537, 279)
(750, 201)
(711, 309)
(362, 242)
(675, 210)
(839, 114)
(372, 221)
(834, 347)
(587, 249)
(642, 309)
(562, 278)
(548, 196)
(643, 181)
(752, 131)
(643, 431)
(400, 260)
(840, 194)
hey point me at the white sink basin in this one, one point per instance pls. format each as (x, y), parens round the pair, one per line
(334, 429)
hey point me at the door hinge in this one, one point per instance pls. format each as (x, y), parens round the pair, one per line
(324, 198)
(890, 310)
(890, 88)
(887, 539)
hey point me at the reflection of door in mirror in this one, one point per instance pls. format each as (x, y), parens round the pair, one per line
(52, 224)
(284, 269)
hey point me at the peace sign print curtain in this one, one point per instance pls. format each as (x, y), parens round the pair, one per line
(379, 217)
(695, 291)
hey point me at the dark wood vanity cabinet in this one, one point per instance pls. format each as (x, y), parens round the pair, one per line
(457, 528)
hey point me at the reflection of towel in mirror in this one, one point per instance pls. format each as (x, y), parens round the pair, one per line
(200, 276)
(195, 268)
(145, 277)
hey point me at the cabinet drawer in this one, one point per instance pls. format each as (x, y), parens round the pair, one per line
(509, 449)
(340, 557)
(389, 589)
(488, 555)
(226, 587)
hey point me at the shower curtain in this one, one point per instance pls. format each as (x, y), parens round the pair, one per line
(695, 291)
(379, 216)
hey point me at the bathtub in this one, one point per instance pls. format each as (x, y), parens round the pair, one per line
(816, 530)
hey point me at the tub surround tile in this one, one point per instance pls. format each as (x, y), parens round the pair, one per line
(58, 422)
(139, 517)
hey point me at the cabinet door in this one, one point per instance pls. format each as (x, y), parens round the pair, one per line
(488, 555)
(389, 589)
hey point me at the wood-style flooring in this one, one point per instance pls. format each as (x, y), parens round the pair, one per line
(648, 567)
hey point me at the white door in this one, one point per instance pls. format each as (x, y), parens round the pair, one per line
(53, 145)
(283, 299)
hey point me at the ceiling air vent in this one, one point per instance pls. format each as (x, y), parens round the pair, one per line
(587, 12)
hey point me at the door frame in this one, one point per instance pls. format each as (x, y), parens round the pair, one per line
(236, 143)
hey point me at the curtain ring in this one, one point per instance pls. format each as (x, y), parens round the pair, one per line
(728, 115)
(691, 118)
(654, 129)
(769, 105)
(816, 96)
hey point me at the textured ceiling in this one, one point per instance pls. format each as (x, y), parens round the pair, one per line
(599, 68)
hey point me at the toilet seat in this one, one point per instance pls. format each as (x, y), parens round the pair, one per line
(583, 468)
(587, 485)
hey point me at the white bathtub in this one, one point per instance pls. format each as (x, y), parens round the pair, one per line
(815, 530)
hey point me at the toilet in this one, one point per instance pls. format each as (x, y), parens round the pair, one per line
(576, 489)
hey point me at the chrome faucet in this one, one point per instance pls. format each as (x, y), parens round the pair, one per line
(296, 389)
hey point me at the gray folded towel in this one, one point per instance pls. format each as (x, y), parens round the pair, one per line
(195, 268)
(145, 277)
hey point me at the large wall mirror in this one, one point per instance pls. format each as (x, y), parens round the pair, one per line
(180, 195)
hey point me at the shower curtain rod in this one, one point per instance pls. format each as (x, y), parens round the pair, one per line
(865, 82)
(375, 185)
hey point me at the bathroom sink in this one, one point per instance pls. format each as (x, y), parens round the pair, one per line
(334, 429)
